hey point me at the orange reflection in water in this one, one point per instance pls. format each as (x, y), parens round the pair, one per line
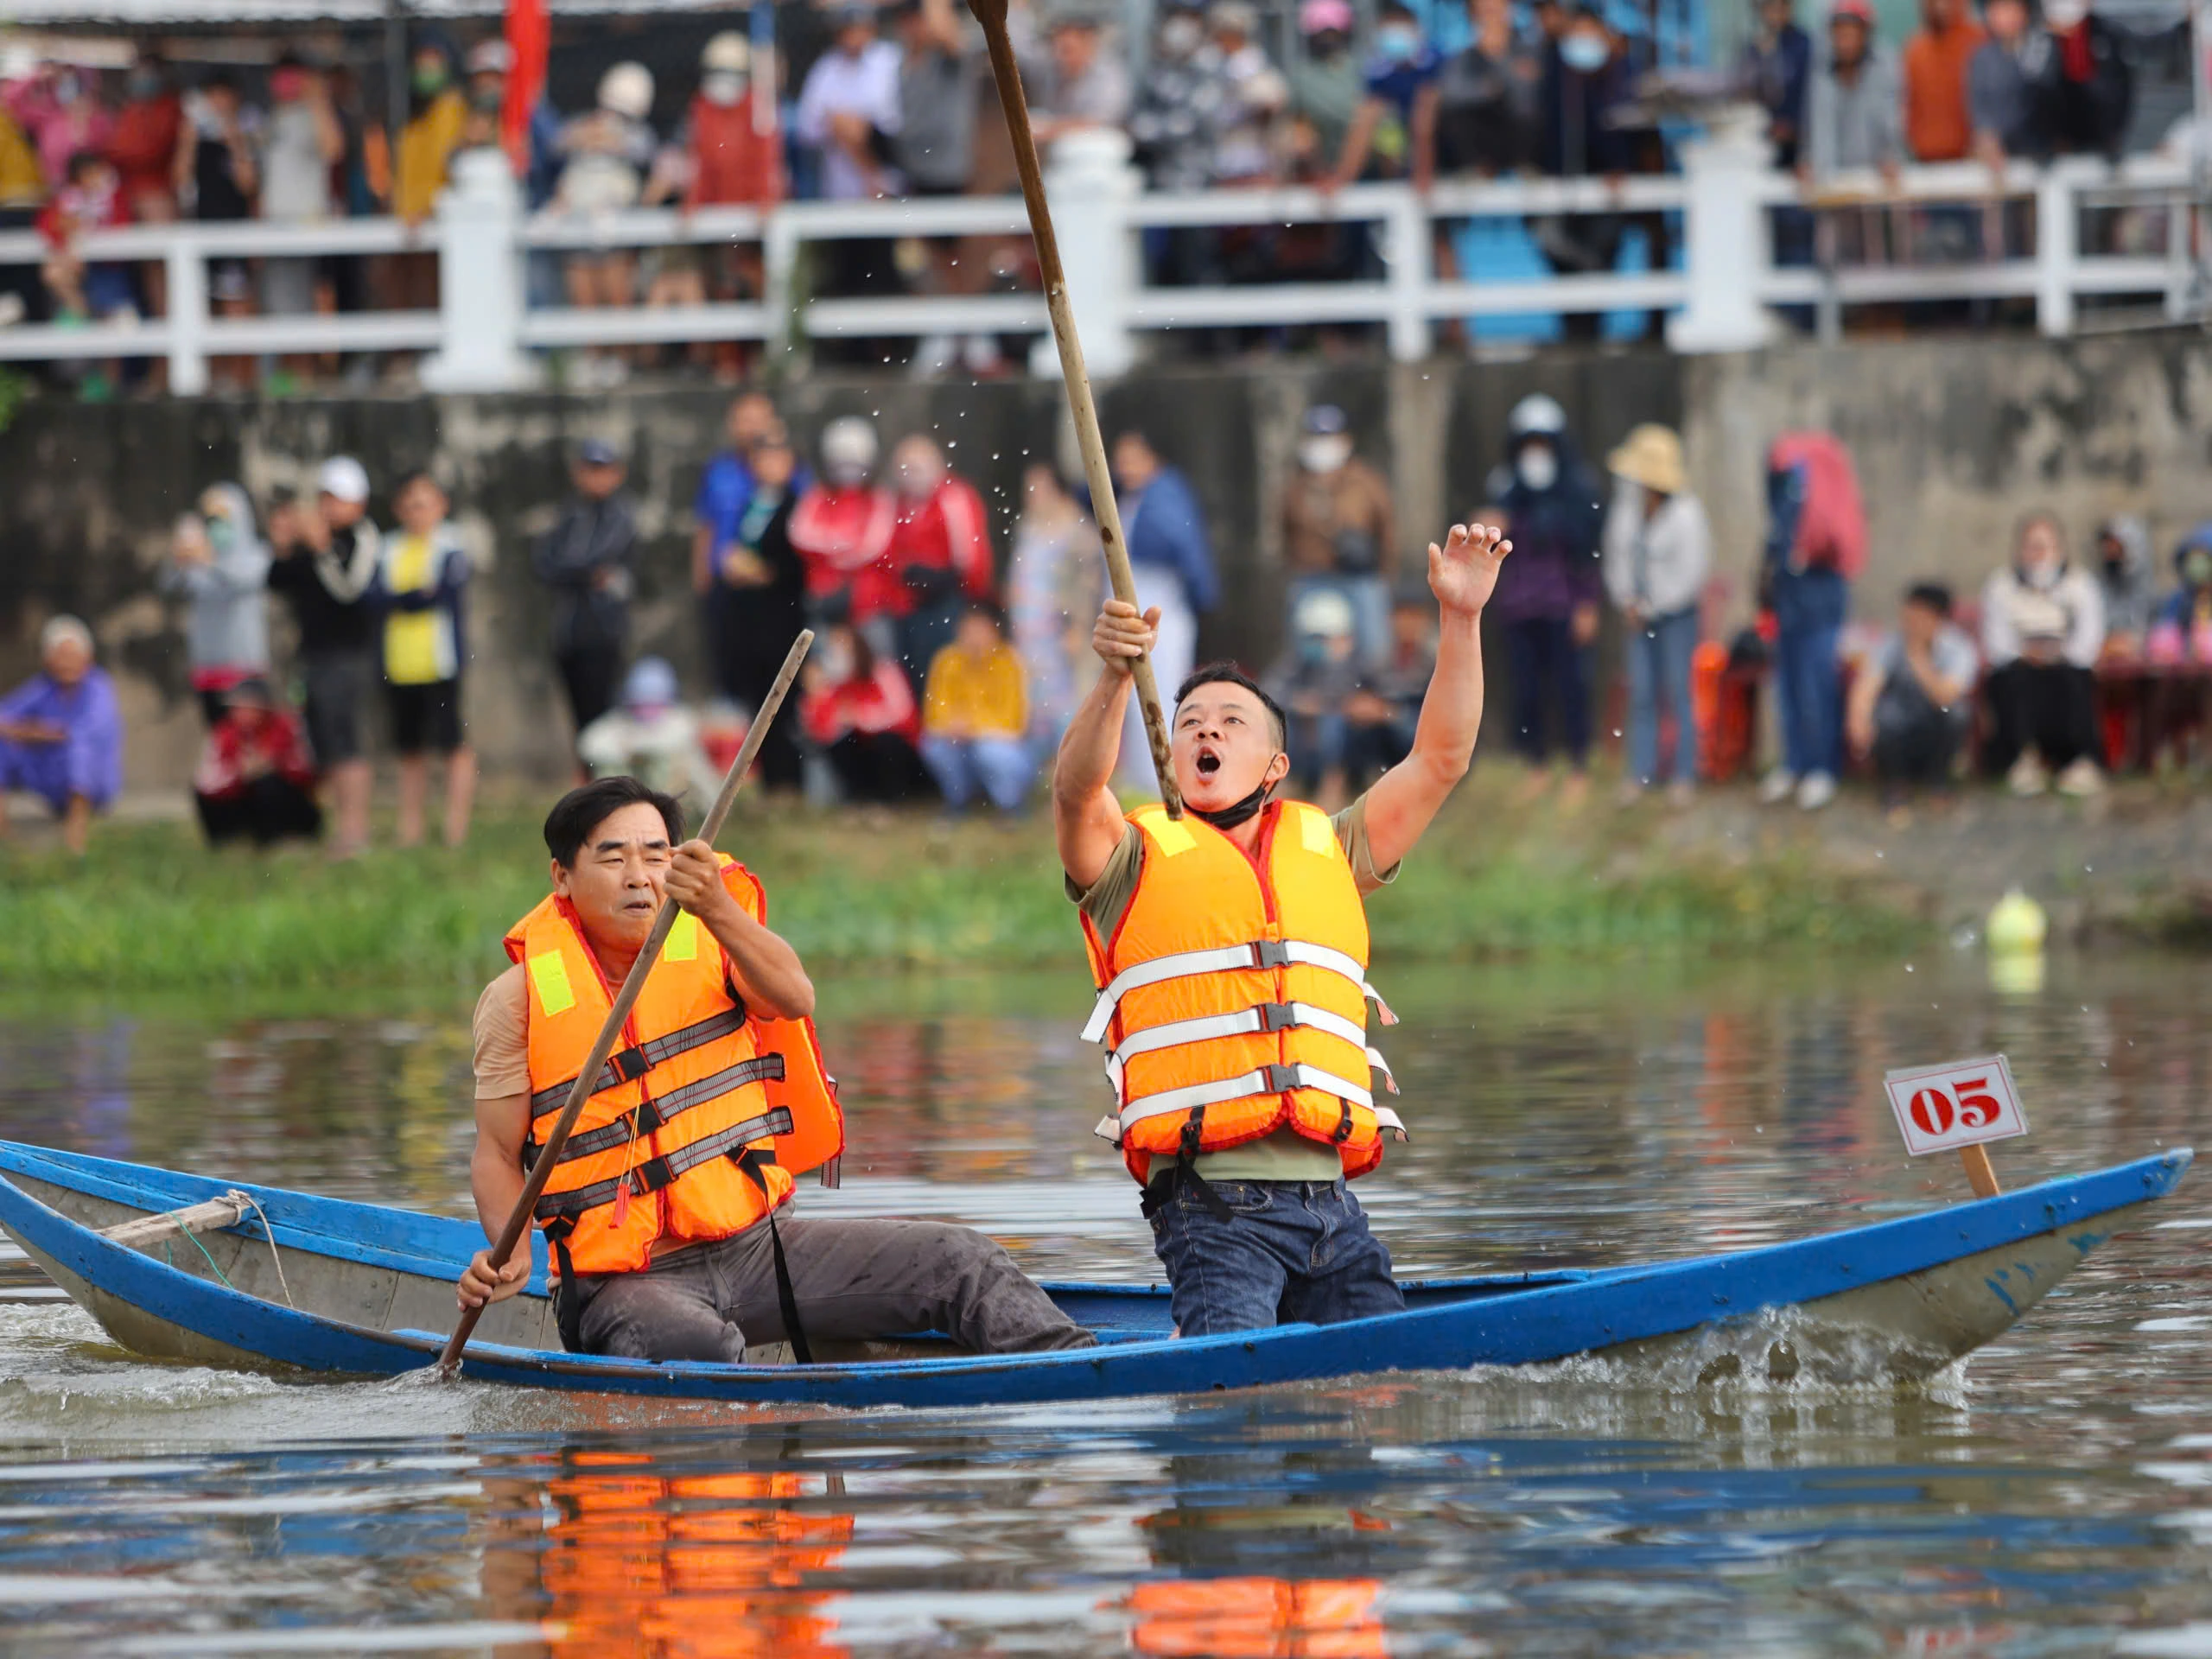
(1259, 1619)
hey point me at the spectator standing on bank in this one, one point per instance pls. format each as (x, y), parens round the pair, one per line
(1253, 96)
(734, 146)
(588, 559)
(88, 202)
(1381, 716)
(725, 492)
(1658, 554)
(976, 719)
(420, 163)
(1314, 682)
(2180, 630)
(1938, 119)
(1776, 71)
(62, 734)
(218, 563)
(1082, 85)
(1588, 81)
(23, 193)
(256, 778)
(858, 707)
(2042, 627)
(1398, 113)
(59, 110)
(1171, 121)
(300, 153)
(2003, 104)
(1816, 542)
(2127, 578)
(1913, 698)
(327, 556)
(650, 735)
(841, 528)
(1327, 87)
(604, 155)
(1548, 591)
(144, 142)
(1853, 110)
(849, 114)
(2083, 72)
(940, 550)
(758, 597)
(218, 174)
(1486, 100)
(1052, 588)
(421, 586)
(1339, 530)
(1171, 557)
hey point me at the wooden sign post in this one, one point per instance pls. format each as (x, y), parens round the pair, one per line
(1958, 1108)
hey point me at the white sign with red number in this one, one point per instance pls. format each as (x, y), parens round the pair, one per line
(1960, 1104)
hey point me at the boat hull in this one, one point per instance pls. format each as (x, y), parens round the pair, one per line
(1899, 1298)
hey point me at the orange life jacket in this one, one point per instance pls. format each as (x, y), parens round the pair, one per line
(702, 1118)
(1233, 995)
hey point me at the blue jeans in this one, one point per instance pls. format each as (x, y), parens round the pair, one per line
(998, 767)
(1551, 675)
(1659, 672)
(1808, 609)
(1291, 1253)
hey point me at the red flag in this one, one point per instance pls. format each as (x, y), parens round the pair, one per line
(529, 33)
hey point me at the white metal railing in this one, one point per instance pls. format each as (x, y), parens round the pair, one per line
(1721, 293)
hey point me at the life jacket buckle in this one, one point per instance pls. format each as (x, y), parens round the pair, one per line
(1276, 1016)
(1270, 953)
(1281, 1079)
(630, 1065)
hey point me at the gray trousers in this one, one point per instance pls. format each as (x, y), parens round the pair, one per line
(851, 1279)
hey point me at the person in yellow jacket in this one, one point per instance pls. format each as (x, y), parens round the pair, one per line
(1229, 948)
(662, 1210)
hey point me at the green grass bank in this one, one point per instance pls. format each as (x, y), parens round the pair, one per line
(151, 908)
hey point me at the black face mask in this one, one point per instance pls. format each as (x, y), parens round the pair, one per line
(1227, 817)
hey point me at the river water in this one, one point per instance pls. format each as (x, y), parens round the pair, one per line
(2051, 1496)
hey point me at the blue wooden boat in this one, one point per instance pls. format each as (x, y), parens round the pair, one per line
(355, 1289)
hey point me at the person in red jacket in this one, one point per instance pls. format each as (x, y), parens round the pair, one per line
(842, 530)
(940, 550)
(860, 708)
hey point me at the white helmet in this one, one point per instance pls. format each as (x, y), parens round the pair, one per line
(1536, 414)
(627, 89)
(849, 449)
(728, 53)
(1324, 612)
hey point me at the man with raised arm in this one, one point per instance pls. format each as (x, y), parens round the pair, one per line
(662, 1209)
(1229, 948)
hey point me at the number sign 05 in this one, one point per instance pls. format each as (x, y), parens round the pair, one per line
(1967, 1101)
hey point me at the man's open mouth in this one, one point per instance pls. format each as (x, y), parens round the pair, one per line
(1208, 763)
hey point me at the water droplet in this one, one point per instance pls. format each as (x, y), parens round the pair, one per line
(1908, 966)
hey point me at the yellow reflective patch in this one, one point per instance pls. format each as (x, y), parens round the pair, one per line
(1170, 836)
(683, 939)
(549, 976)
(1315, 831)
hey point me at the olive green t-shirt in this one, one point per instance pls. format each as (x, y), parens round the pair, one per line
(1285, 1155)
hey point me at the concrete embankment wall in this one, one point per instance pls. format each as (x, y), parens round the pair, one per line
(1955, 438)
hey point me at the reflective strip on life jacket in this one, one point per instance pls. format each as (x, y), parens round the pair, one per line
(1228, 958)
(1267, 1080)
(1266, 1016)
(653, 1173)
(633, 1063)
(650, 1114)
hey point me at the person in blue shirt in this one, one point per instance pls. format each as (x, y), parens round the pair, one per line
(1170, 556)
(62, 734)
(1397, 118)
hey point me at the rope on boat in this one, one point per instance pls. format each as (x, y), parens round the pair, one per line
(242, 1196)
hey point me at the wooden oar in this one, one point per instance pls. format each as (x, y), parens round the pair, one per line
(991, 14)
(587, 1079)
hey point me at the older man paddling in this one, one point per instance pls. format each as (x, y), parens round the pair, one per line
(1230, 946)
(662, 1209)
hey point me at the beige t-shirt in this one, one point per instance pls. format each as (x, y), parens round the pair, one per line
(501, 1032)
(1285, 1155)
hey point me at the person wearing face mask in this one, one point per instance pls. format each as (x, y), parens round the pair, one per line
(940, 550)
(1548, 601)
(1326, 88)
(758, 601)
(2042, 626)
(218, 563)
(1397, 116)
(2182, 630)
(143, 144)
(842, 530)
(1586, 81)
(300, 145)
(1171, 559)
(2078, 65)
(1231, 948)
(1339, 530)
(419, 163)
(2125, 578)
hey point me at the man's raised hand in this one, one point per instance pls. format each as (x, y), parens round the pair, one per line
(1121, 636)
(1463, 573)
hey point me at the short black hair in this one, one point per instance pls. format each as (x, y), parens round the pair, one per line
(582, 810)
(1228, 673)
(415, 475)
(1929, 595)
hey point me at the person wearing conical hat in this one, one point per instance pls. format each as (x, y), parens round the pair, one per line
(1658, 551)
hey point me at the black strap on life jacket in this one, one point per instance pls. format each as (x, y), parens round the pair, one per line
(1158, 1195)
(650, 1114)
(654, 1173)
(568, 1306)
(630, 1064)
(752, 1161)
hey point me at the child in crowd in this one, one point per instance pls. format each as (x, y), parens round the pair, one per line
(974, 714)
(650, 736)
(424, 576)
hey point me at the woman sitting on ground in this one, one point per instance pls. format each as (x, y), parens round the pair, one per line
(2043, 624)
